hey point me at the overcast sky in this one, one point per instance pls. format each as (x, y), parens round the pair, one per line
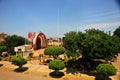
(56, 17)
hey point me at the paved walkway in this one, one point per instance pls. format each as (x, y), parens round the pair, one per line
(117, 66)
(10, 75)
(36, 69)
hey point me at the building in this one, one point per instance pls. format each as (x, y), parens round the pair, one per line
(55, 42)
(23, 50)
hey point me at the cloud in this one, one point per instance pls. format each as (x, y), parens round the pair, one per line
(105, 14)
(100, 26)
(102, 18)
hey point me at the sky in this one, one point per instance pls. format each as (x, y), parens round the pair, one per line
(57, 17)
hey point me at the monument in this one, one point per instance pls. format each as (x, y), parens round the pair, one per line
(39, 41)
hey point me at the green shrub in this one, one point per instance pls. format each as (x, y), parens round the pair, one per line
(54, 51)
(56, 64)
(106, 69)
(19, 61)
(3, 48)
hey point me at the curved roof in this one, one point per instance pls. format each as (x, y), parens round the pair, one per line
(42, 38)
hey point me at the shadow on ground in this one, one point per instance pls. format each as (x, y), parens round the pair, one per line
(103, 79)
(55, 74)
(96, 75)
(1, 65)
(91, 73)
(23, 69)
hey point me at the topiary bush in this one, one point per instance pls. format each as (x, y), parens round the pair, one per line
(56, 64)
(3, 48)
(54, 51)
(106, 69)
(19, 61)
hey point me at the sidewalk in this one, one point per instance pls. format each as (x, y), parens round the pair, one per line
(44, 71)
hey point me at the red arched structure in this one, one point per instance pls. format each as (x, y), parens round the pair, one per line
(39, 41)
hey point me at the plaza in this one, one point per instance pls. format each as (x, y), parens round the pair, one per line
(36, 71)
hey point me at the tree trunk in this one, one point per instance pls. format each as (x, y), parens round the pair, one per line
(20, 66)
(57, 72)
(55, 56)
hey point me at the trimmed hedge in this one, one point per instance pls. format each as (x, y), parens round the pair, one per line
(19, 61)
(3, 48)
(106, 69)
(54, 50)
(56, 64)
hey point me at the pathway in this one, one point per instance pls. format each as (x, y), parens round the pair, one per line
(117, 65)
(37, 72)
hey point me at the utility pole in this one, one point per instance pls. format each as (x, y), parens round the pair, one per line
(110, 33)
(58, 26)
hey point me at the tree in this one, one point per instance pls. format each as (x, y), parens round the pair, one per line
(54, 51)
(116, 38)
(106, 70)
(73, 44)
(117, 32)
(116, 41)
(19, 61)
(56, 65)
(13, 41)
(97, 44)
(72, 56)
(73, 40)
(93, 44)
(2, 49)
